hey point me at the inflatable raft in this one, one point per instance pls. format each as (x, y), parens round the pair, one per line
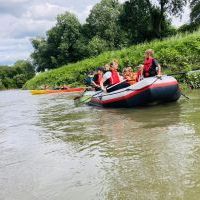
(148, 91)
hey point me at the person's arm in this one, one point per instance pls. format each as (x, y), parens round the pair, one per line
(94, 84)
(106, 76)
(141, 70)
(159, 70)
(93, 81)
(158, 67)
(121, 78)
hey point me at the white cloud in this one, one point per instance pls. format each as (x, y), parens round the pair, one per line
(45, 11)
(122, 1)
(185, 18)
(21, 20)
(12, 50)
(23, 27)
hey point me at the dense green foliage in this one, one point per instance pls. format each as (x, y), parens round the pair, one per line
(16, 76)
(172, 7)
(191, 27)
(193, 79)
(179, 53)
(141, 20)
(60, 47)
(103, 22)
(195, 13)
(194, 24)
(109, 26)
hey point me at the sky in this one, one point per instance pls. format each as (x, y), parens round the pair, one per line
(21, 20)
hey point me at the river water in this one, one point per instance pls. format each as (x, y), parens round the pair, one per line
(52, 150)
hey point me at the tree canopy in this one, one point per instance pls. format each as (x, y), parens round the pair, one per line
(60, 45)
(17, 75)
(109, 26)
(103, 22)
(195, 11)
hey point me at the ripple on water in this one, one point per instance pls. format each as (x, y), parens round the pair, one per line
(88, 153)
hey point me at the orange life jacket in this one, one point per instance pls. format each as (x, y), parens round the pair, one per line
(131, 78)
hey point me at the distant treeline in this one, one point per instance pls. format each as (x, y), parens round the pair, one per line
(17, 75)
(109, 26)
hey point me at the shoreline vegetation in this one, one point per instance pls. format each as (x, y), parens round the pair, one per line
(178, 53)
(16, 76)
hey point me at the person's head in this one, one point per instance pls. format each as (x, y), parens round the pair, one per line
(107, 67)
(130, 69)
(139, 67)
(149, 53)
(126, 72)
(114, 65)
(100, 70)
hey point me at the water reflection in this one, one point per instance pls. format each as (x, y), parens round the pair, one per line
(87, 127)
(51, 149)
(146, 153)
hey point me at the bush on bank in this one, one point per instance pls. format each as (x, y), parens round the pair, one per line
(175, 54)
(193, 79)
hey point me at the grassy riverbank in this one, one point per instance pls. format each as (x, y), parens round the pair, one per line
(179, 53)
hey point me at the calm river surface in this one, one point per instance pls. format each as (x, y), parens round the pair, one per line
(52, 150)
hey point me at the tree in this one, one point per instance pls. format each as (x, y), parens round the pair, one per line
(20, 80)
(96, 46)
(135, 18)
(172, 7)
(103, 22)
(195, 13)
(140, 18)
(60, 45)
(41, 56)
(64, 37)
(17, 75)
(24, 67)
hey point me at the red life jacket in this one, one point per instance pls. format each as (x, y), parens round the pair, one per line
(114, 79)
(99, 79)
(147, 66)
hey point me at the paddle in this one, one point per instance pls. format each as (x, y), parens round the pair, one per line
(85, 100)
(180, 73)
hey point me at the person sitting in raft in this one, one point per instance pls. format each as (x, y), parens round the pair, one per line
(89, 78)
(129, 75)
(97, 79)
(107, 67)
(111, 79)
(151, 66)
(139, 73)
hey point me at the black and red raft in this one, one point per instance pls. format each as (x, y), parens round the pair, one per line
(148, 91)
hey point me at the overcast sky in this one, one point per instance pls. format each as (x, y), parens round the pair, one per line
(21, 20)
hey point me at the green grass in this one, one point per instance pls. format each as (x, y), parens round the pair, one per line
(175, 54)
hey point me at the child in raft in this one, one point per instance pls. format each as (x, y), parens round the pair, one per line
(129, 75)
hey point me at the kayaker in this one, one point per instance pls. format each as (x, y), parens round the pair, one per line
(112, 78)
(151, 66)
(97, 79)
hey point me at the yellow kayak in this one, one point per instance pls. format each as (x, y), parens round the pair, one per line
(37, 92)
(34, 92)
